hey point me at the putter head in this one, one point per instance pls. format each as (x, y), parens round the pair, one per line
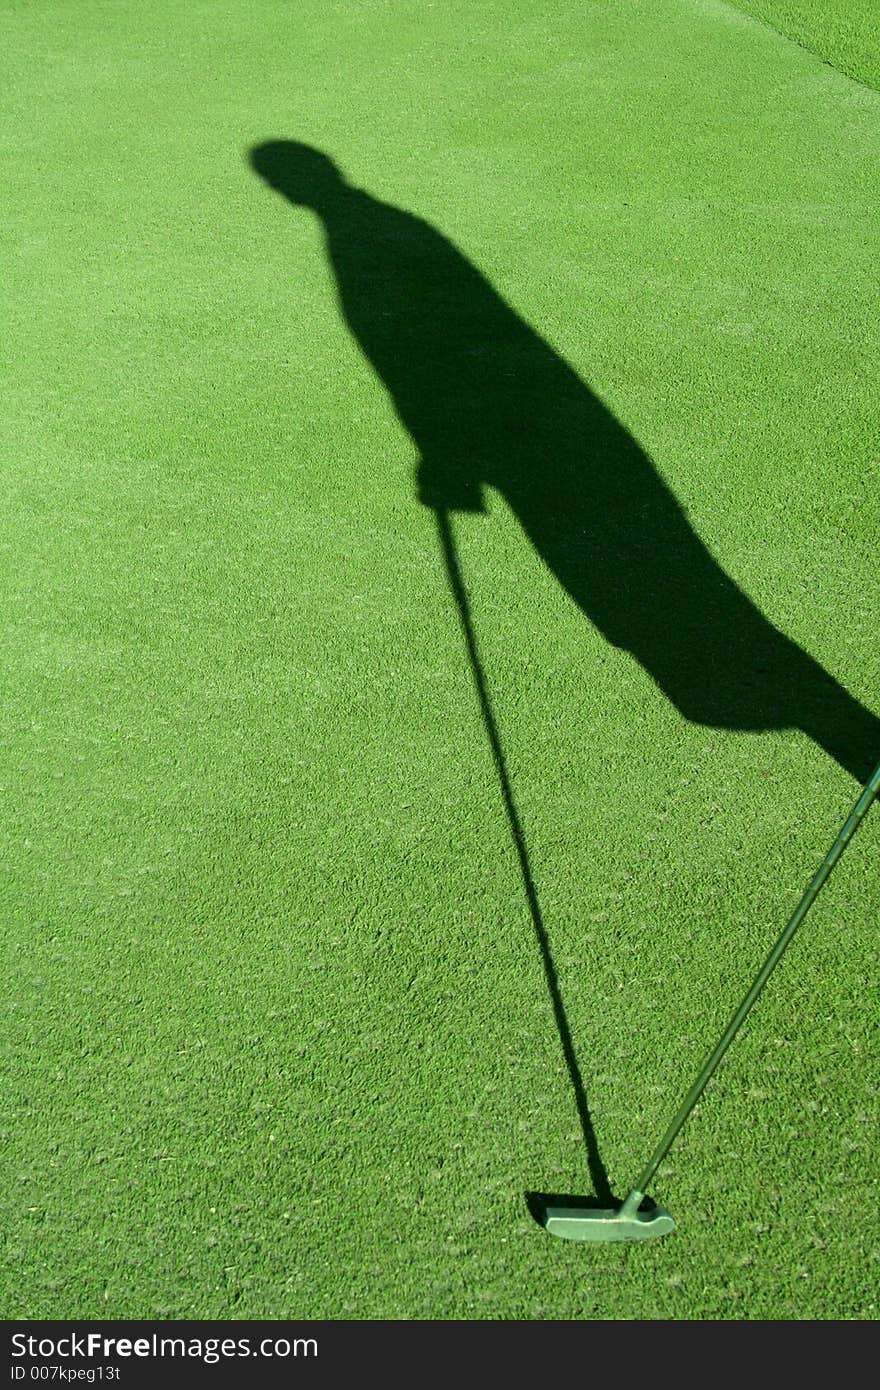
(625, 1222)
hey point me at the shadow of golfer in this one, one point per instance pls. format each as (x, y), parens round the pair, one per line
(488, 403)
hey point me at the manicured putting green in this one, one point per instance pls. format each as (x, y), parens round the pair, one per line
(843, 32)
(359, 889)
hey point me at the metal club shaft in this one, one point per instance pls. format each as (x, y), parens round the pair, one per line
(870, 791)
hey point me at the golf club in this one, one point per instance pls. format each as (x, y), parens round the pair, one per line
(629, 1221)
(636, 1217)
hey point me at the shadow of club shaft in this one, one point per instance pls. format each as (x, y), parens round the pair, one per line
(456, 583)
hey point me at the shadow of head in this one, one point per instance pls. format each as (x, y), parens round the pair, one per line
(301, 173)
(541, 1203)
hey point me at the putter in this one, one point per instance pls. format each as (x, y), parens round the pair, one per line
(637, 1217)
(629, 1221)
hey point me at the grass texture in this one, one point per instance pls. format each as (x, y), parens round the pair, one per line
(310, 983)
(845, 33)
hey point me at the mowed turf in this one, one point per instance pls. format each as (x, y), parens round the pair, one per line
(843, 32)
(279, 1039)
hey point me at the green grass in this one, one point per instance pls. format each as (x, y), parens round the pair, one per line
(845, 33)
(278, 1039)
